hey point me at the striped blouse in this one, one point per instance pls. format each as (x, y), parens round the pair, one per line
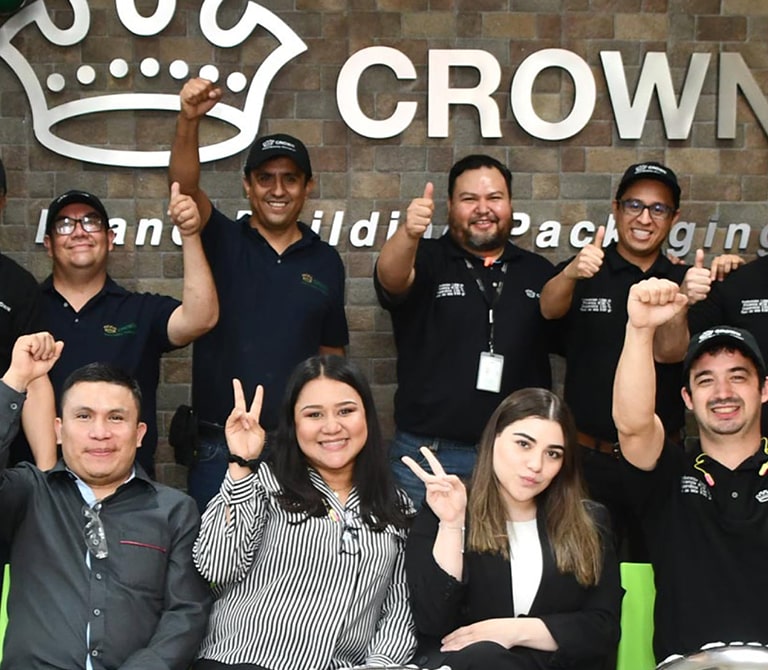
(301, 592)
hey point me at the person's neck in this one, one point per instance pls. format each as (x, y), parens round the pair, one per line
(731, 450)
(79, 287)
(520, 511)
(643, 262)
(279, 239)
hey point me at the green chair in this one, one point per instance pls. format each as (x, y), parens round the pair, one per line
(4, 606)
(636, 645)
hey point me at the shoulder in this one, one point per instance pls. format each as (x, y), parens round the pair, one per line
(12, 269)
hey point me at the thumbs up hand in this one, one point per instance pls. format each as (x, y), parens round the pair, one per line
(697, 281)
(589, 260)
(418, 216)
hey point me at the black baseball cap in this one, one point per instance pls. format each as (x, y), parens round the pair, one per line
(276, 146)
(650, 170)
(69, 198)
(728, 336)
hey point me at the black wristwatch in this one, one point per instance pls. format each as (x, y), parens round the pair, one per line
(251, 463)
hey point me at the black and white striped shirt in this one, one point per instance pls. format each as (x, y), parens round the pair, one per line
(288, 592)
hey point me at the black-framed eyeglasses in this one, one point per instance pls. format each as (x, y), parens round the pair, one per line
(93, 533)
(90, 223)
(350, 540)
(658, 211)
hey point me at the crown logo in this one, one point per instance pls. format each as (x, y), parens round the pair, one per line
(46, 92)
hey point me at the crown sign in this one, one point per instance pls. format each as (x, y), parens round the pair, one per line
(46, 116)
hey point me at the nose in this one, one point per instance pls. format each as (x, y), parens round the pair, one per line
(645, 216)
(723, 388)
(100, 429)
(332, 424)
(535, 460)
(278, 187)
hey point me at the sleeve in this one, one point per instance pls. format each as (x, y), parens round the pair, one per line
(395, 639)
(594, 630)
(161, 307)
(422, 279)
(645, 489)
(335, 329)
(231, 531)
(186, 605)
(436, 597)
(11, 402)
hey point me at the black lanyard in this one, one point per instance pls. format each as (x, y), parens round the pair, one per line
(490, 300)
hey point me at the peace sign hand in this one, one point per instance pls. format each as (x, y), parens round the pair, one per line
(446, 494)
(245, 436)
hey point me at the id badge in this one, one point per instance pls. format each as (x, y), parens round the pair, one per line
(489, 372)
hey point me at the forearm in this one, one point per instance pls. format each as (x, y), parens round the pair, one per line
(199, 309)
(533, 633)
(395, 267)
(38, 418)
(448, 550)
(184, 166)
(670, 341)
(556, 296)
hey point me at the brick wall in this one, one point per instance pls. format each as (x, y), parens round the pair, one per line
(567, 181)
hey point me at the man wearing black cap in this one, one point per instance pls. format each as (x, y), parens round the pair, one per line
(704, 511)
(100, 321)
(280, 286)
(589, 295)
(19, 315)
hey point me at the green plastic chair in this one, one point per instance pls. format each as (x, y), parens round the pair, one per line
(636, 645)
(4, 606)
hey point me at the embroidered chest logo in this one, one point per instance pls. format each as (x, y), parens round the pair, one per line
(7, 308)
(762, 496)
(308, 280)
(120, 331)
(450, 290)
(530, 293)
(596, 305)
(693, 485)
(754, 306)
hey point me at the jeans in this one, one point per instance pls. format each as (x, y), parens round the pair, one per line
(206, 475)
(457, 458)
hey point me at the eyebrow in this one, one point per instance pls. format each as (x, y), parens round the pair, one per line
(735, 368)
(535, 441)
(338, 404)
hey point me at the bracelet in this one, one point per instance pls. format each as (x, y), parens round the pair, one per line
(250, 463)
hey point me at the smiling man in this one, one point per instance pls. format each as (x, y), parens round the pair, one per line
(705, 510)
(101, 556)
(100, 320)
(281, 288)
(465, 314)
(588, 297)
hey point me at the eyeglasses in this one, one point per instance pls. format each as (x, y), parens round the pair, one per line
(658, 211)
(93, 533)
(90, 223)
(350, 540)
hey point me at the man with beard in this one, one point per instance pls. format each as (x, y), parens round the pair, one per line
(703, 510)
(465, 315)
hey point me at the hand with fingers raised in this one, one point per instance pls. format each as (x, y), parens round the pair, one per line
(245, 436)
(446, 494)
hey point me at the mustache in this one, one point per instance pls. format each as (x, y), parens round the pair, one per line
(723, 401)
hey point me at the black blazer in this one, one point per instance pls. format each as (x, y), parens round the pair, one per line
(583, 621)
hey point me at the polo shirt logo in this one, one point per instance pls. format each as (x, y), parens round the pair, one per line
(694, 485)
(7, 308)
(530, 293)
(755, 306)
(596, 305)
(120, 331)
(450, 290)
(762, 496)
(316, 284)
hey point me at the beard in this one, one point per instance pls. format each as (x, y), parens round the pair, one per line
(474, 240)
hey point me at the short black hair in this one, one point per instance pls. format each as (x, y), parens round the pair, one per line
(475, 162)
(103, 372)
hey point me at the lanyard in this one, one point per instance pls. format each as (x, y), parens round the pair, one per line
(490, 300)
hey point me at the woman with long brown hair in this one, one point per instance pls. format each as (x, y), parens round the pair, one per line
(521, 574)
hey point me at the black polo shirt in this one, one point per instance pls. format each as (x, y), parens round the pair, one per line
(119, 327)
(740, 300)
(274, 312)
(591, 338)
(708, 545)
(441, 326)
(19, 315)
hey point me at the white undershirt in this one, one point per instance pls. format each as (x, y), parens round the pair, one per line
(526, 563)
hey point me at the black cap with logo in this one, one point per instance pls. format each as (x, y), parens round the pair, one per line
(727, 336)
(650, 170)
(69, 198)
(277, 146)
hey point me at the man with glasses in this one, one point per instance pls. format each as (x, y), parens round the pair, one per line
(589, 296)
(100, 320)
(101, 556)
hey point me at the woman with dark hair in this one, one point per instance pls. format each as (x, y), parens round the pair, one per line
(521, 574)
(306, 552)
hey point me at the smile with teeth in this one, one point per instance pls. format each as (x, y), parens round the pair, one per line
(642, 234)
(338, 443)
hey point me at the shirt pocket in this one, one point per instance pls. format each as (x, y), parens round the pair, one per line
(141, 560)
